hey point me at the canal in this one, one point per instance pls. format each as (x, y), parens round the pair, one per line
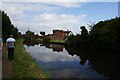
(61, 62)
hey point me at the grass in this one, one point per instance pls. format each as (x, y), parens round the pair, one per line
(38, 40)
(24, 66)
(58, 41)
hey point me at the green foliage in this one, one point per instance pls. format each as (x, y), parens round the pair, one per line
(84, 32)
(79, 40)
(103, 35)
(57, 41)
(106, 34)
(24, 66)
(42, 33)
(7, 27)
(29, 33)
(46, 40)
(28, 36)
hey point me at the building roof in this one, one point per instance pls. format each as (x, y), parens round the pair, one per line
(61, 31)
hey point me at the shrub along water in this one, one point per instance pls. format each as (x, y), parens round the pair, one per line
(103, 35)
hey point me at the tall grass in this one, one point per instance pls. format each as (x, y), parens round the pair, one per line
(24, 66)
(58, 41)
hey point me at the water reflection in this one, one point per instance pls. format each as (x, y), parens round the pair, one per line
(30, 44)
(47, 55)
(71, 62)
(104, 62)
(54, 47)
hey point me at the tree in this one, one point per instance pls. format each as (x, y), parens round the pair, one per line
(29, 33)
(42, 33)
(91, 24)
(7, 27)
(28, 36)
(84, 32)
(103, 35)
(106, 34)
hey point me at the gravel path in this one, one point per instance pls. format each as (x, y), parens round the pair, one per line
(7, 69)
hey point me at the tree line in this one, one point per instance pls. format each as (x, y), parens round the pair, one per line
(7, 27)
(103, 35)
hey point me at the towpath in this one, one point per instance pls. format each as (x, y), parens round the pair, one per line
(7, 69)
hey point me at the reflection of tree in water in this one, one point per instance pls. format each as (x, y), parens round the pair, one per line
(82, 62)
(54, 47)
(30, 43)
(104, 62)
(83, 56)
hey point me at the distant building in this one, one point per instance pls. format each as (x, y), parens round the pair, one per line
(59, 35)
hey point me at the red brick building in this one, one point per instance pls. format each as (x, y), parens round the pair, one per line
(59, 35)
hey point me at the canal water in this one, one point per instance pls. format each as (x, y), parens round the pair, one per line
(61, 62)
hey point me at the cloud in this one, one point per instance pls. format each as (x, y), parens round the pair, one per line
(18, 10)
(47, 57)
(14, 12)
(59, 0)
(59, 19)
(41, 16)
(77, 0)
(66, 4)
(43, 0)
(48, 22)
(0, 5)
(45, 16)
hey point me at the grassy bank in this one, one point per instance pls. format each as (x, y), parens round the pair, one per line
(57, 41)
(24, 66)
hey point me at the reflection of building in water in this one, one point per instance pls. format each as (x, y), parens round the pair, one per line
(56, 47)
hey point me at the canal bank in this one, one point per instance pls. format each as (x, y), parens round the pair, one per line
(24, 66)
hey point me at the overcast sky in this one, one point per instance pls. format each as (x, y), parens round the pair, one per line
(66, 15)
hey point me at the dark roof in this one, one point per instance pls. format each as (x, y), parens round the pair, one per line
(61, 31)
